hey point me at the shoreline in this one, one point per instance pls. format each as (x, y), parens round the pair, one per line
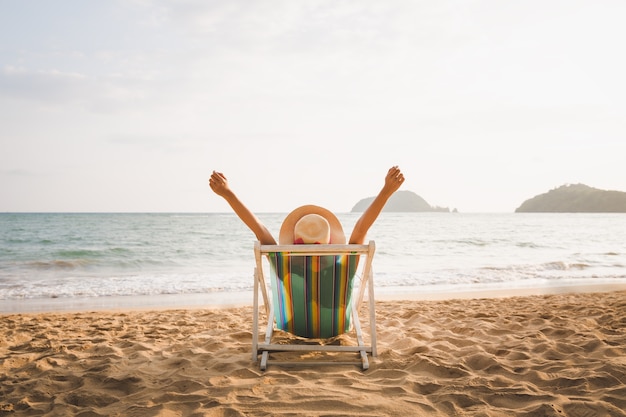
(225, 300)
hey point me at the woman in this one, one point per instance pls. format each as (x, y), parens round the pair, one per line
(393, 181)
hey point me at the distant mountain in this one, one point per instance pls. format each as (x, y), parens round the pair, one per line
(401, 201)
(575, 198)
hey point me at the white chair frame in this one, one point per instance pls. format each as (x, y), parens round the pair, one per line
(264, 348)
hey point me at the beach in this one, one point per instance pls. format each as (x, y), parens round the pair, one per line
(560, 354)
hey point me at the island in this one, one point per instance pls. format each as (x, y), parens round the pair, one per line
(575, 198)
(401, 201)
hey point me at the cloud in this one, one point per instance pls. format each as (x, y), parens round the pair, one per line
(54, 88)
(18, 173)
(47, 86)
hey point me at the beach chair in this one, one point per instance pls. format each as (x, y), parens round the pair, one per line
(316, 292)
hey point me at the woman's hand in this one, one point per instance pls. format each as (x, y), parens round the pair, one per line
(219, 184)
(393, 180)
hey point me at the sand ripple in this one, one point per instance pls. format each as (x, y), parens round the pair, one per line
(558, 355)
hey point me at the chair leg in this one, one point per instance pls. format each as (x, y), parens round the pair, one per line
(365, 361)
(359, 337)
(255, 318)
(269, 332)
(264, 359)
(372, 311)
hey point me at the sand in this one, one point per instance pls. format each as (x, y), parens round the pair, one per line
(550, 355)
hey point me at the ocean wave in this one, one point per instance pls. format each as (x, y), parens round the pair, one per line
(531, 245)
(564, 266)
(73, 287)
(59, 264)
(79, 253)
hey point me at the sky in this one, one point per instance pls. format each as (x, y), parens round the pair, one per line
(128, 106)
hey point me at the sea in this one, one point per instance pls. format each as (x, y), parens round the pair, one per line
(57, 261)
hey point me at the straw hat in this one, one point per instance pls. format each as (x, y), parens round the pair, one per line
(311, 224)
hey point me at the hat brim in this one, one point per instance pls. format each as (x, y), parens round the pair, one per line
(286, 235)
